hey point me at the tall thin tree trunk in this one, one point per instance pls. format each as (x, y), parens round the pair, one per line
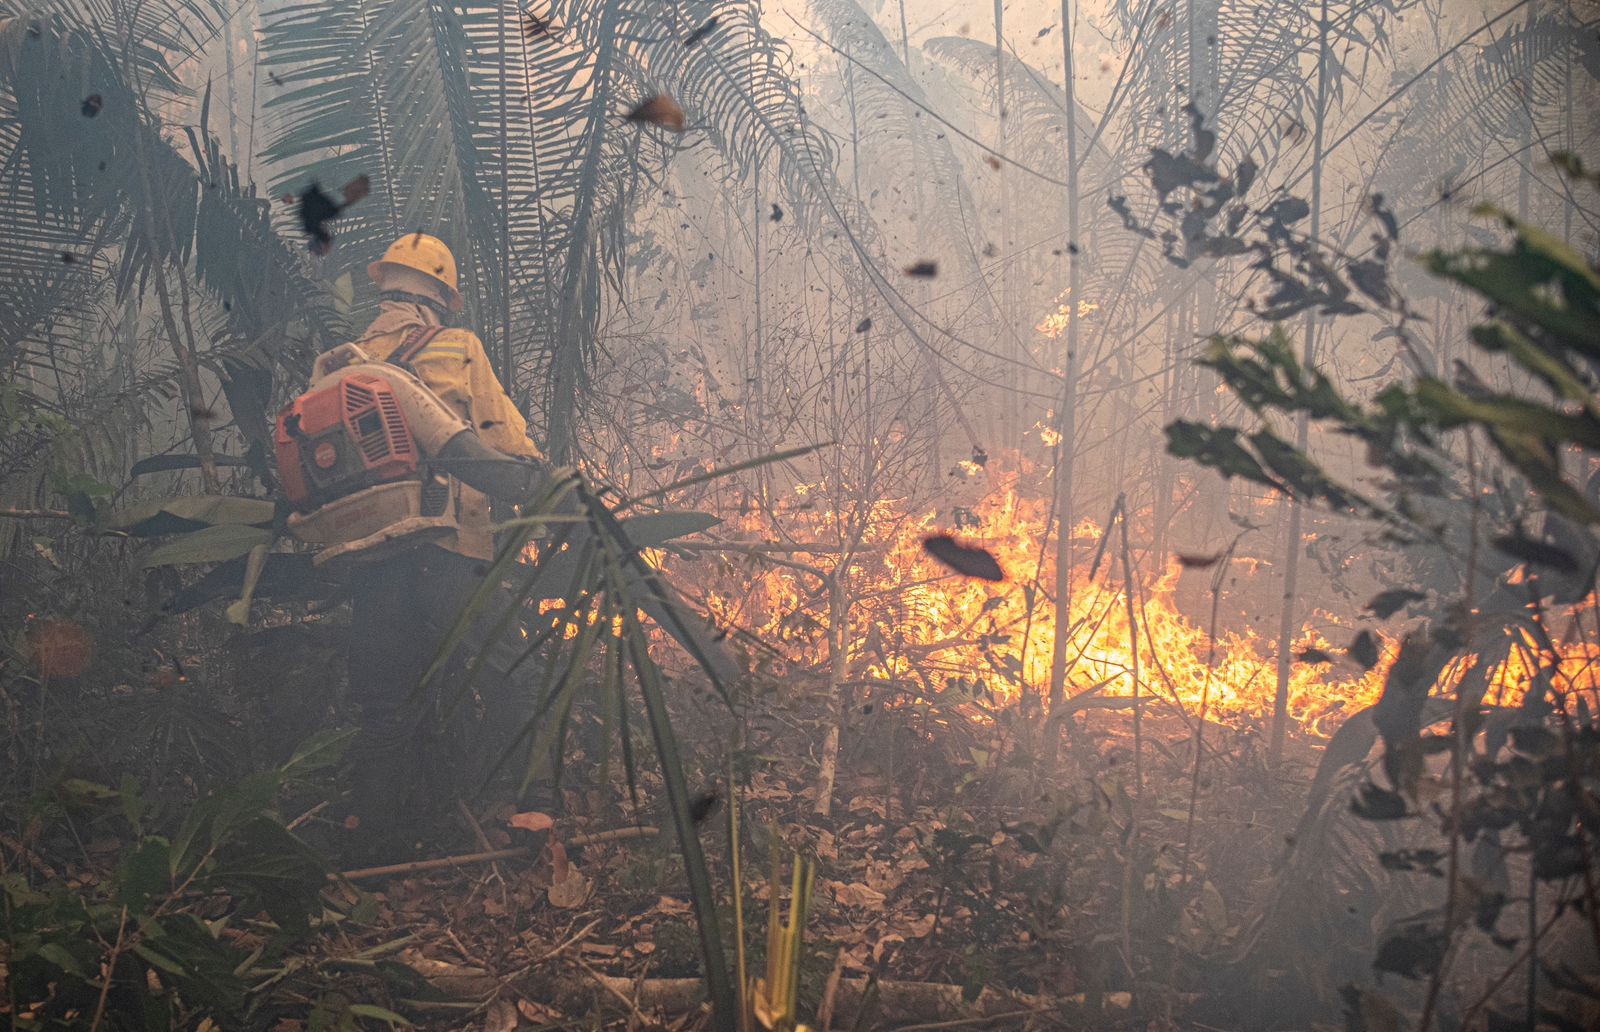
(930, 372)
(159, 240)
(838, 674)
(1130, 868)
(1066, 415)
(838, 594)
(1289, 618)
(1005, 424)
(233, 98)
(508, 369)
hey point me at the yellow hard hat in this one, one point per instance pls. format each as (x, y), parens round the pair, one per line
(425, 254)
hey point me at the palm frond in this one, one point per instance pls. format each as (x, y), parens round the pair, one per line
(82, 180)
(893, 132)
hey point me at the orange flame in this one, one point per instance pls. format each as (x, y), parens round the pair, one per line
(912, 624)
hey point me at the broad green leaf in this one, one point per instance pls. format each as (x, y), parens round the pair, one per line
(158, 960)
(725, 471)
(191, 512)
(1217, 447)
(80, 791)
(1304, 477)
(368, 1010)
(1557, 374)
(1534, 459)
(210, 545)
(214, 819)
(144, 873)
(319, 752)
(58, 955)
(264, 865)
(658, 528)
(1505, 412)
(1520, 282)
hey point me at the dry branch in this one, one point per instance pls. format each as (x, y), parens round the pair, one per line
(444, 863)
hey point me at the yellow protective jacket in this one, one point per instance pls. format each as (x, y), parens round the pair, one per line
(456, 368)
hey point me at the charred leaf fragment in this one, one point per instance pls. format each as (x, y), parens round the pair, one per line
(1535, 552)
(1413, 948)
(92, 105)
(704, 30)
(1313, 655)
(661, 110)
(1412, 860)
(1198, 562)
(533, 27)
(922, 269)
(1387, 603)
(1373, 803)
(1557, 856)
(1385, 217)
(963, 559)
(1285, 212)
(1372, 279)
(317, 209)
(704, 805)
(1364, 650)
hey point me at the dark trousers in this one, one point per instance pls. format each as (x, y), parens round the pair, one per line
(419, 748)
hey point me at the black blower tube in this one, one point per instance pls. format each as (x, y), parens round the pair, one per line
(495, 473)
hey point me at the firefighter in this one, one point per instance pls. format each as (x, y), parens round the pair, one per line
(405, 605)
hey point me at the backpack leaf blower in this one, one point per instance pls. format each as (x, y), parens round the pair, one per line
(372, 461)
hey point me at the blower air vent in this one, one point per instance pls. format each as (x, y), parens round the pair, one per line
(435, 496)
(394, 422)
(356, 397)
(369, 430)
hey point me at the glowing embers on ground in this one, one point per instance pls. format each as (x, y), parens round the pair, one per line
(913, 626)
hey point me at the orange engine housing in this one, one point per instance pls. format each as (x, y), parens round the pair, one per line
(341, 438)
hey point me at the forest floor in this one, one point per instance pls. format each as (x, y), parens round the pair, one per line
(965, 871)
(966, 887)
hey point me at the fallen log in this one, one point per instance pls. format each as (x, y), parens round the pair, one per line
(896, 1002)
(445, 863)
(921, 1005)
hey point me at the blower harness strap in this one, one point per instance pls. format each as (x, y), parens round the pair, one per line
(412, 346)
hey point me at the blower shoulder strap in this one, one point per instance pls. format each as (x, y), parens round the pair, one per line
(413, 344)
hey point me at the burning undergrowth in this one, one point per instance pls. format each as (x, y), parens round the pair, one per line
(913, 630)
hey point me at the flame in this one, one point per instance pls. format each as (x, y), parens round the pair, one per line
(1055, 324)
(913, 626)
